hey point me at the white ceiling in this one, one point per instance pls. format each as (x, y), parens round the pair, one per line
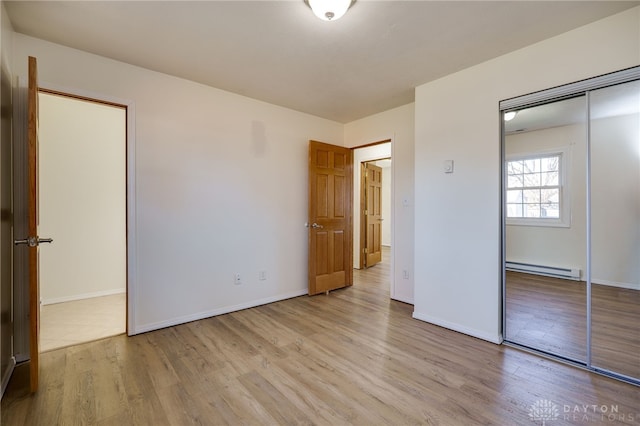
(279, 52)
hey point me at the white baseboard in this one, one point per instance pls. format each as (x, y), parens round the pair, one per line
(493, 338)
(629, 286)
(215, 312)
(400, 299)
(7, 376)
(81, 296)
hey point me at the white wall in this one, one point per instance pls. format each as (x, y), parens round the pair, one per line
(362, 155)
(615, 200)
(457, 250)
(221, 187)
(554, 246)
(82, 199)
(398, 125)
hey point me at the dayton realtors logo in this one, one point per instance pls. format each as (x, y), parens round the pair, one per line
(543, 410)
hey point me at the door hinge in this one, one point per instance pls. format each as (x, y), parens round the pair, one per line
(366, 250)
(366, 212)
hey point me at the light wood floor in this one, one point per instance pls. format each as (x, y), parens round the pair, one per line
(550, 314)
(81, 321)
(352, 357)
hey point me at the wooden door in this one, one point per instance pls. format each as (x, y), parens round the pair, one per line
(330, 217)
(33, 240)
(373, 214)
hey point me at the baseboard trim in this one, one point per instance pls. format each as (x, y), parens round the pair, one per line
(81, 296)
(215, 312)
(493, 338)
(7, 376)
(629, 286)
(400, 299)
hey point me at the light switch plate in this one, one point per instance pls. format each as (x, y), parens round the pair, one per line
(448, 166)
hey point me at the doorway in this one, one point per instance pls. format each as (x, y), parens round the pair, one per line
(377, 155)
(83, 193)
(375, 193)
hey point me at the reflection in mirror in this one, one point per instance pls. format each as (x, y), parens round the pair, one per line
(545, 238)
(615, 228)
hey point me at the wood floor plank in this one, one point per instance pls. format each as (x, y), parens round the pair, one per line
(272, 400)
(272, 330)
(550, 314)
(155, 359)
(54, 384)
(79, 400)
(257, 341)
(330, 389)
(353, 357)
(300, 388)
(108, 381)
(144, 406)
(245, 408)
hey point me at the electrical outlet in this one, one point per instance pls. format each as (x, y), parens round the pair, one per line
(262, 275)
(237, 279)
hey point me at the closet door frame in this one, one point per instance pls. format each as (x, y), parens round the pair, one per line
(583, 87)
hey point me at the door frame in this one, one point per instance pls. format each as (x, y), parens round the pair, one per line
(578, 88)
(356, 167)
(75, 97)
(21, 294)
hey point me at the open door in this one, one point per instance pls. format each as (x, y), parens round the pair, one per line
(32, 241)
(372, 183)
(330, 217)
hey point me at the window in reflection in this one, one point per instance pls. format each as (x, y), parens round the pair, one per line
(545, 209)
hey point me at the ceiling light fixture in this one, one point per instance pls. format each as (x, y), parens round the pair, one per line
(508, 116)
(329, 10)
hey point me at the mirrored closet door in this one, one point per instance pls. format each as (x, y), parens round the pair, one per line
(615, 228)
(545, 216)
(571, 223)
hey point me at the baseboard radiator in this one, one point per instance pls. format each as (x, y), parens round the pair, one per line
(547, 271)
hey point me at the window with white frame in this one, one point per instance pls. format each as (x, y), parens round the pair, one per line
(535, 190)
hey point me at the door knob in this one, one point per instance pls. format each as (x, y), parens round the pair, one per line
(316, 226)
(33, 241)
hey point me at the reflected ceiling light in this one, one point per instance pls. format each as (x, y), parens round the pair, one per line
(508, 116)
(329, 10)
